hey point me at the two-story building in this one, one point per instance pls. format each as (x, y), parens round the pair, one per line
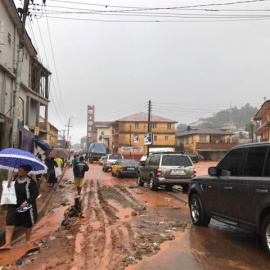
(103, 132)
(211, 144)
(128, 134)
(34, 88)
(262, 119)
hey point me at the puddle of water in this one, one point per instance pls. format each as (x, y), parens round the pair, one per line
(123, 214)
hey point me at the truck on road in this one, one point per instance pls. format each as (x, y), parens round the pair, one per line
(96, 151)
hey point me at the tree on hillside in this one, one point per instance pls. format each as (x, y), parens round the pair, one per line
(181, 127)
(238, 117)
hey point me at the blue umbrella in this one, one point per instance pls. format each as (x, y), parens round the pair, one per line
(42, 145)
(11, 159)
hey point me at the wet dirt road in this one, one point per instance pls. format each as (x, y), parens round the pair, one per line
(131, 227)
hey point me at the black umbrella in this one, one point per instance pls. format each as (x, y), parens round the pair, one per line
(42, 145)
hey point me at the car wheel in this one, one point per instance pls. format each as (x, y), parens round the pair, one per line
(266, 234)
(152, 184)
(118, 174)
(197, 214)
(185, 188)
(140, 181)
(103, 169)
(168, 188)
(112, 173)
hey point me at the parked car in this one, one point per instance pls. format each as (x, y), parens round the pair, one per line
(125, 167)
(100, 161)
(167, 169)
(109, 160)
(236, 191)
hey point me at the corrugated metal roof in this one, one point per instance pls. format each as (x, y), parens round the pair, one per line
(263, 110)
(143, 117)
(204, 131)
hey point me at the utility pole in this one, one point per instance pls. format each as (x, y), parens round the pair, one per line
(69, 126)
(149, 123)
(15, 125)
(130, 140)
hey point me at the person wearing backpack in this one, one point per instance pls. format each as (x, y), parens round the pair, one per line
(79, 170)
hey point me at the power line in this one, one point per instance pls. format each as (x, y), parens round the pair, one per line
(51, 96)
(157, 20)
(56, 72)
(167, 8)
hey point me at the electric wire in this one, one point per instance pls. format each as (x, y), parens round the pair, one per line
(125, 111)
(50, 79)
(167, 8)
(175, 15)
(56, 72)
(238, 17)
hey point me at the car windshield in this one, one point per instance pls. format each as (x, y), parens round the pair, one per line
(115, 156)
(129, 162)
(176, 161)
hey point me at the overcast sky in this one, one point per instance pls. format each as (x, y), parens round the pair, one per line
(189, 63)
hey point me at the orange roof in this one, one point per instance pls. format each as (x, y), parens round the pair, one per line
(143, 117)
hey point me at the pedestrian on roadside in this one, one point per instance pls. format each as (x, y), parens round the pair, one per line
(51, 179)
(59, 162)
(75, 160)
(39, 176)
(79, 170)
(24, 213)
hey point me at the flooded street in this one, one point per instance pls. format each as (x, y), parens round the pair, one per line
(130, 227)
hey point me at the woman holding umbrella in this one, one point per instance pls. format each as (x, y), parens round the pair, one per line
(51, 178)
(24, 213)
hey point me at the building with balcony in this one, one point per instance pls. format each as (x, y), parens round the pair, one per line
(262, 118)
(210, 144)
(128, 134)
(34, 88)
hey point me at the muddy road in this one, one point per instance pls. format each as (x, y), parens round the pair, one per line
(125, 226)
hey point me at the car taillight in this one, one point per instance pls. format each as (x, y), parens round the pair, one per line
(194, 172)
(159, 171)
(121, 169)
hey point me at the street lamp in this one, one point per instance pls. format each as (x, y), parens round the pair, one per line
(68, 126)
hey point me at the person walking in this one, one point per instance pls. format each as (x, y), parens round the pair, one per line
(39, 176)
(24, 213)
(59, 162)
(74, 161)
(79, 170)
(51, 179)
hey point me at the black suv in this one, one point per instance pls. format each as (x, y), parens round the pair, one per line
(166, 169)
(236, 192)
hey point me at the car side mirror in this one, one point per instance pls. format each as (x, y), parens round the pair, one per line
(212, 171)
(142, 163)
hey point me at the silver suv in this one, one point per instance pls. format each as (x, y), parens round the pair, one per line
(109, 160)
(167, 169)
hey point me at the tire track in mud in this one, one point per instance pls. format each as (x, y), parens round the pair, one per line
(103, 236)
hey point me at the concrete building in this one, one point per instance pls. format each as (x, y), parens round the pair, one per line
(209, 143)
(34, 89)
(128, 134)
(262, 119)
